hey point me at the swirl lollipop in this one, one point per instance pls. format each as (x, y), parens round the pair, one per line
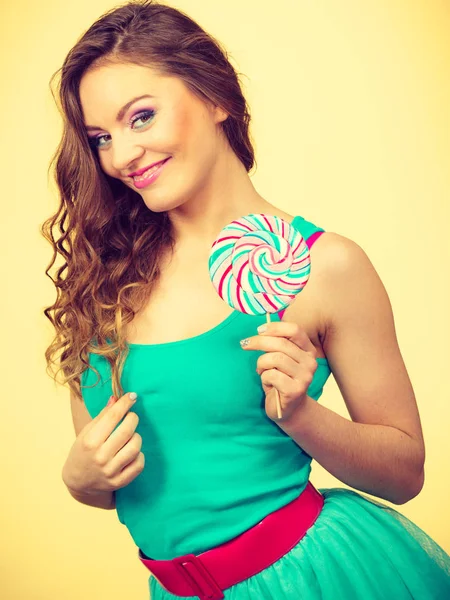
(258, 264)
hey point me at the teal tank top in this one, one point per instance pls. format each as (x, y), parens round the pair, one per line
(215, 464)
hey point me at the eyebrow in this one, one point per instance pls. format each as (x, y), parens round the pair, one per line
(122, 111)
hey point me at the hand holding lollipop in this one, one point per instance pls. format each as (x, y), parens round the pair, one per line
(258, 264)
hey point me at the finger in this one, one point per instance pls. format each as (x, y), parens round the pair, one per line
(292, 332)
(111, 400)
(282, 382)
(105, 422)
(130, 472)
(275, 344)
(121, 435)
(277, 360)
(287, 387)
(283, 337)
(126, 454)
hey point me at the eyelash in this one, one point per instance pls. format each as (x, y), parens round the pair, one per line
(93, 141)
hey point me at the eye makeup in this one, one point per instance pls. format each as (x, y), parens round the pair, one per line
(143, 114)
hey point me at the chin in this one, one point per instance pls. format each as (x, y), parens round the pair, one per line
(159, 207)
(156, 209)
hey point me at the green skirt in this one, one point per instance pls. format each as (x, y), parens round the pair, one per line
(357, 548)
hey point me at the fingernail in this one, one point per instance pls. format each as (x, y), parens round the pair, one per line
(244, 343)
(262, 328)
(133, 395)
(110, 401)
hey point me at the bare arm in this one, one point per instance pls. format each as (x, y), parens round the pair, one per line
(381, 450)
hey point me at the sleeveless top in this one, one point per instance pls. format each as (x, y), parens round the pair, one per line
(215, 464)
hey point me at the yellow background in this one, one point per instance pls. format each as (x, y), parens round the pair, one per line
(350, 103)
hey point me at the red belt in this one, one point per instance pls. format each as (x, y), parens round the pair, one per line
(207, 574)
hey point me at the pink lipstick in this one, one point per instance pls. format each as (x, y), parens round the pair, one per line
(149, 174)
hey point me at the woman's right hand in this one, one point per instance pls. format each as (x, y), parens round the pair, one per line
(102, 458)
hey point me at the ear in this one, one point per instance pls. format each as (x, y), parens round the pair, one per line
(220, 115)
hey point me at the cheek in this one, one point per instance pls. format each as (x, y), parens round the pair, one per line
(105, 164)
(170, 132)
(181, 122)
(183, 132)
(192, 131)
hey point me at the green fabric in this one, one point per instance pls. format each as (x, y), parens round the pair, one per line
(216, 465)
(356, 549)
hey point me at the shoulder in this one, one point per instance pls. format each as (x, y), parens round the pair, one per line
(337, 258)
(344, 278)
(334, 251)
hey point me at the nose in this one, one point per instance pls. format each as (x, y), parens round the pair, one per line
(125, 155)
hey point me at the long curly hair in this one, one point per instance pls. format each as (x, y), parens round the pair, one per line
(110, 242)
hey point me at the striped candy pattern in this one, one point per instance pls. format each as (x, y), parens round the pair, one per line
(259, 263)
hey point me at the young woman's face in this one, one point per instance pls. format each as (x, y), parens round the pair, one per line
(170, 123)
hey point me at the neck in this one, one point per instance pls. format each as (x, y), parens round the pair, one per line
(227, 194)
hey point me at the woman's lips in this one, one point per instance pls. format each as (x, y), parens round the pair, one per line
(140, 172)
(146, 179)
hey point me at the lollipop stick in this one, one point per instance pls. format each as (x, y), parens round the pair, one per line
(277, 395)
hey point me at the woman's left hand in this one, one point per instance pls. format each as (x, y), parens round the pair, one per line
(289, 364)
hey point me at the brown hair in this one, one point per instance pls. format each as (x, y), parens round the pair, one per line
(109, 240)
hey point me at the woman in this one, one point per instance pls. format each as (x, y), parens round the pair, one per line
(211, 483)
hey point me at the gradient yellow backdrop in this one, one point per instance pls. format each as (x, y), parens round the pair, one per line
(350, 103)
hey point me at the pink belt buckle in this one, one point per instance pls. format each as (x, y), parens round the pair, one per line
(198, 577)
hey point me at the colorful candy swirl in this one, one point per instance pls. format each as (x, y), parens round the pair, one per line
(259, 263)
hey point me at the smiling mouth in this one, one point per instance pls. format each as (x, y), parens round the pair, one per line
(149, 171)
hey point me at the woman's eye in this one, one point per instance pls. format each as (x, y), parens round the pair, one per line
(93, 142)
(144, 116)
